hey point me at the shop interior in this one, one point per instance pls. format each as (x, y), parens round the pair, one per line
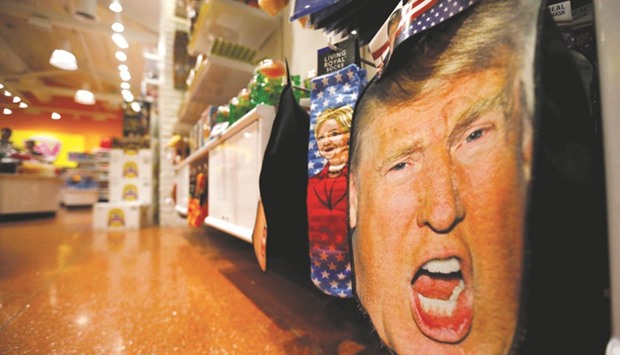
(133, 171)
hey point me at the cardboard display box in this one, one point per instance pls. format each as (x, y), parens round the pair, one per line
(111, 216)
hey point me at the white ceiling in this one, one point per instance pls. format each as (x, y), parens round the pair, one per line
(31, 29)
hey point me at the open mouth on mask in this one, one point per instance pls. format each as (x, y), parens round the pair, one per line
(442, 301)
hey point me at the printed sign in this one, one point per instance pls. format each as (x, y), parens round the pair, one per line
(130, 193)
(130, 169)
(338, 56)
(116, 218)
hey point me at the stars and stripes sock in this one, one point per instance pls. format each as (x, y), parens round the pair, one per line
(330, 262)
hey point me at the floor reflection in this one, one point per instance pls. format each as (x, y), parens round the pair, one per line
(65, 288)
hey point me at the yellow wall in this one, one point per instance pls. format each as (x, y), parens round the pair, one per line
(75, 135)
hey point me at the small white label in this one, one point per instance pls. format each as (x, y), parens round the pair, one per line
(583, 15)
(561, 12)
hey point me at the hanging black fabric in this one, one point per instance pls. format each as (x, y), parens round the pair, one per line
(283, 182)
(566, 308)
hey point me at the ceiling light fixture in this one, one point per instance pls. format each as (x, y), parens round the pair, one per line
(16, 99)
(84, 97)
(1, 86)
(135, 106)
(7, 111)
(7, 93)
(86, 10)
(127, 95)
(125, 85)
(120, 41)
(125, 76)
(123, 67)
(23, 105)
(118, 27)
(121, 56)
(115, 6)
(63, 59)
(40, 21)
(56, 116)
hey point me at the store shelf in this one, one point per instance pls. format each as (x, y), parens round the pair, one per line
(79, 197)
(182, 211)
(230, 228)
(215, 83)
(252, 116)
(102, 158)
(188, 115)
(232, 21)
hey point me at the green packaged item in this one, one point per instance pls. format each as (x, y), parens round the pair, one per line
(223, 113)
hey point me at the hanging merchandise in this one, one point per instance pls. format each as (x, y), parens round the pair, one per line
(332, 99)
(338, 56)
(477, 207)
(306, 7)
(282, 182)
(408, 20)
(575, 19)
(361, 18)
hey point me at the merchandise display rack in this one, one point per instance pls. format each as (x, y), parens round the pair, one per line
(252, 116)
(232, 21)
(102, 157)
(81, 194)
(235, 158)
(218, 79)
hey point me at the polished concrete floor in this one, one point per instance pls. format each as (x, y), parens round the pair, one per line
(67, 289)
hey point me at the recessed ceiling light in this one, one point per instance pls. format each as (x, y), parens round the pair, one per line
(123, 67)
(7, 93)
(115, 6)
(127, 95)
(125, 85)
(23, 105)
(120, 55)
(16, 99)
(125, 76)
(1, 86)
(55, 116)
(120, 41)
(118, 27)
(7, 111)
(136, 106)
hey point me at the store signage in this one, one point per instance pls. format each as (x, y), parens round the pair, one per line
(338, 56)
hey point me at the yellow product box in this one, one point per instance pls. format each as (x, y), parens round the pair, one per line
(112, 216)
(130, 190)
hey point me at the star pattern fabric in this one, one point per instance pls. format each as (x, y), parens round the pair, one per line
(330, 261)
(335, 89)
(438, 13)
(417, 16)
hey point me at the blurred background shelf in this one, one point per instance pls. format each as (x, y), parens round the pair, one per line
(232, 21)
(217, 80)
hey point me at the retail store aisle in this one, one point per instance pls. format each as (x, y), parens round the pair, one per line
(65, 289)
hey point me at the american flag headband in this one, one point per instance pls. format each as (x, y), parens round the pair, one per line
(409, 18)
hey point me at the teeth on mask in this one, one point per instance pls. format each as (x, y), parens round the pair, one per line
(442, 307)
(446, 266)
